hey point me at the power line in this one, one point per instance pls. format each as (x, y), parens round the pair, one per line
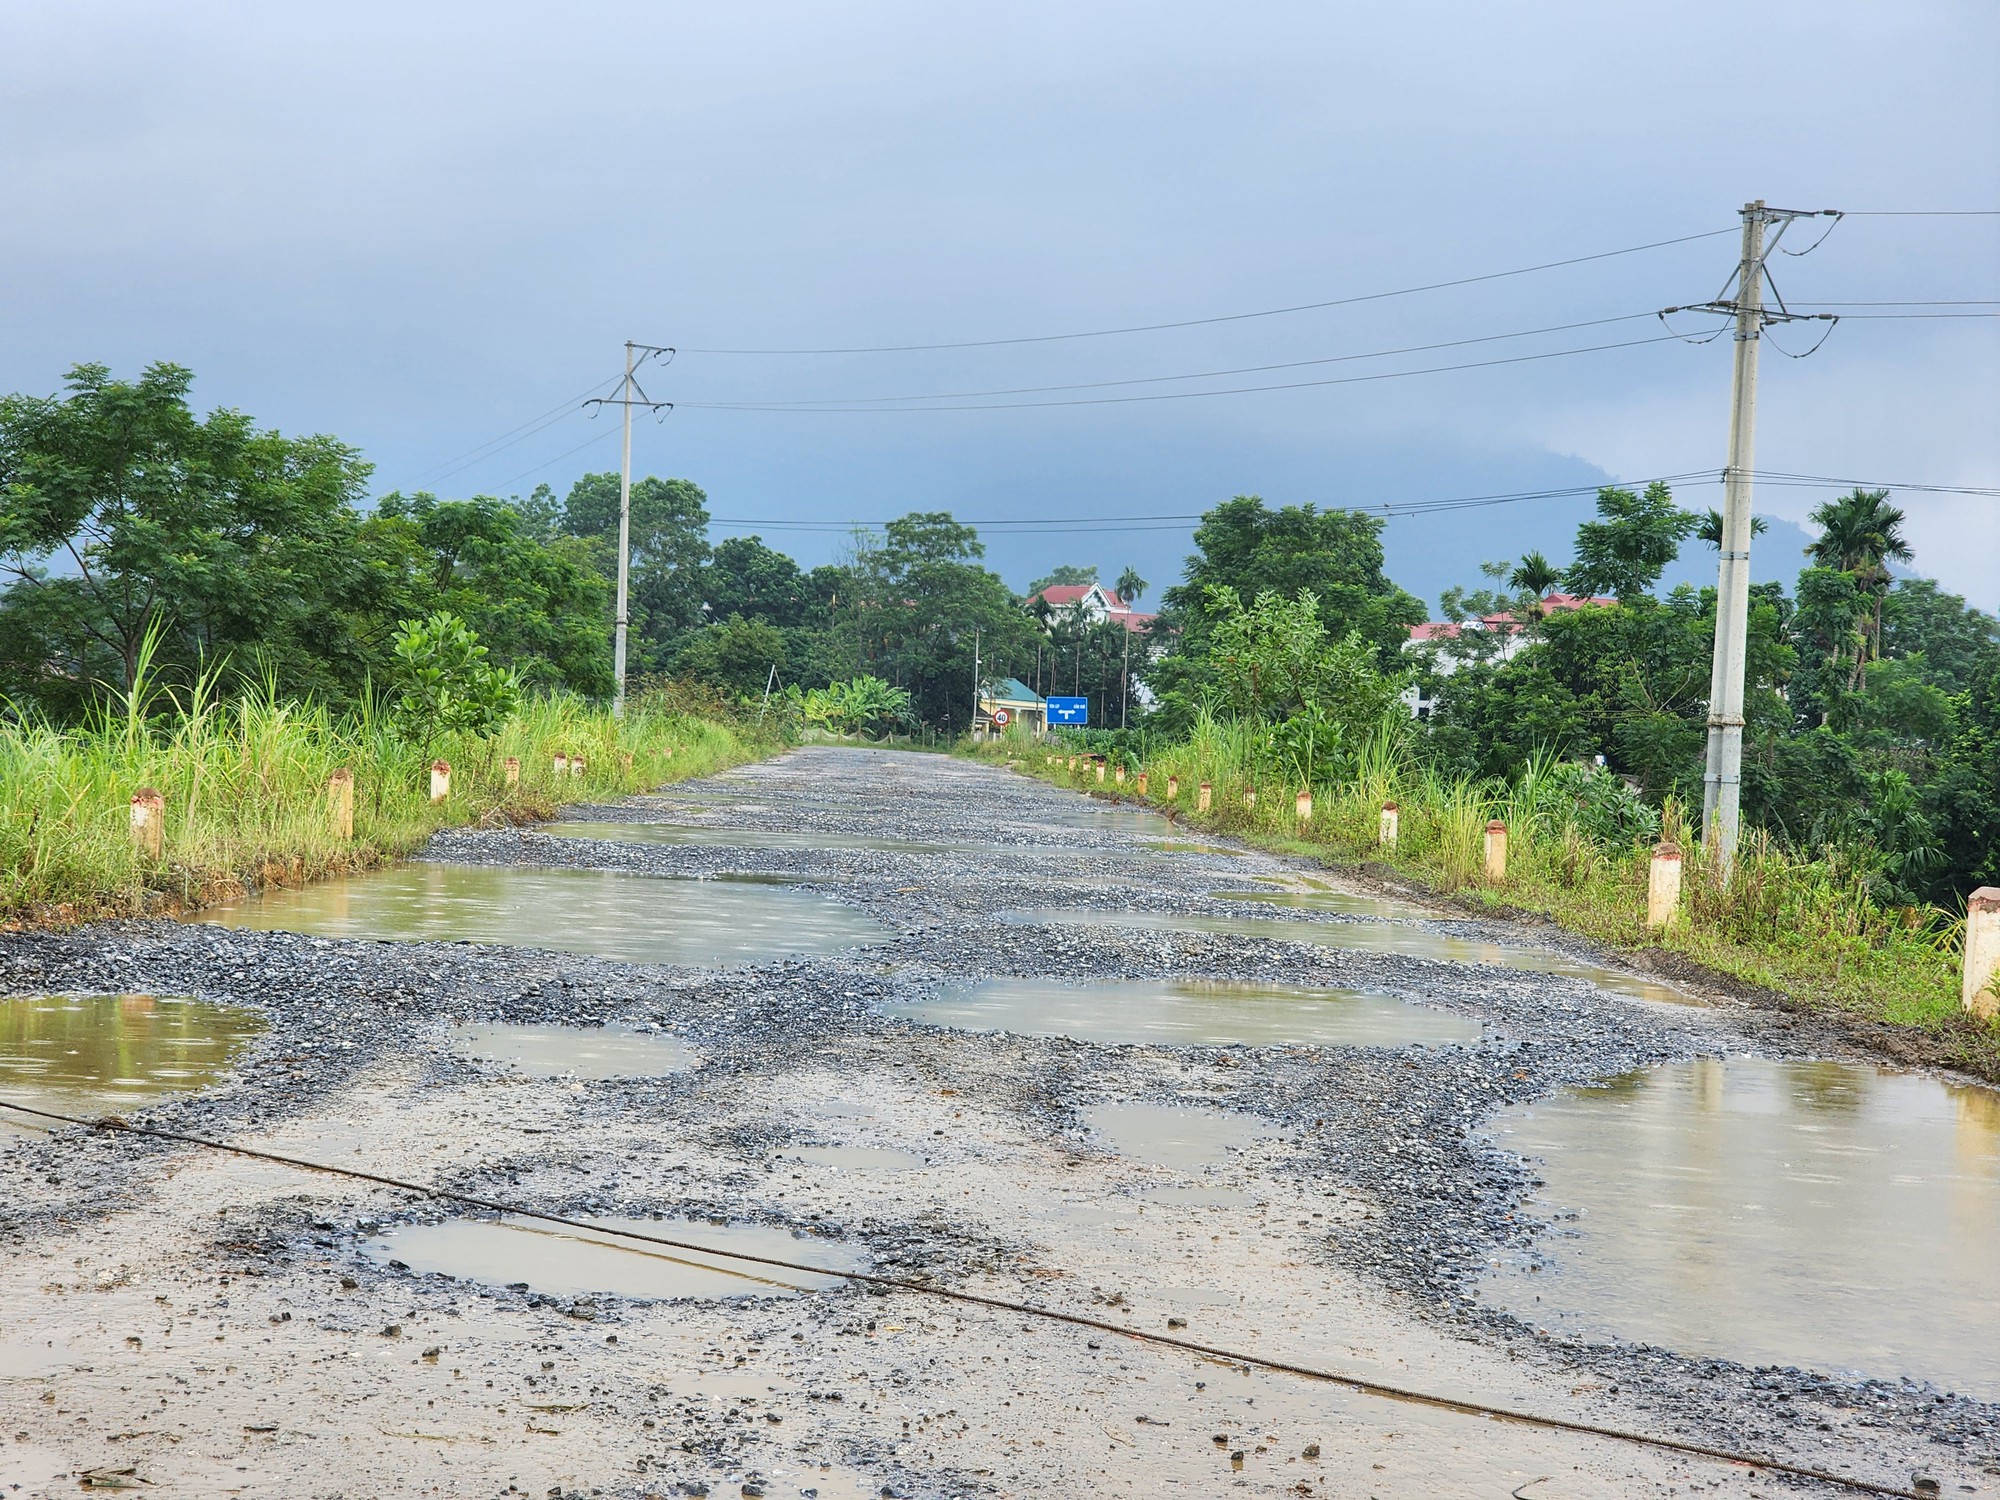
(478, 453)
(547, 463)
(1271, 312)
(1241, 390)
(1296, 364)
(1921, 213)
(885, 1282)
(1171, 521)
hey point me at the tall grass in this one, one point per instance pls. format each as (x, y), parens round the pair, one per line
(1806, 926)
(244, 780)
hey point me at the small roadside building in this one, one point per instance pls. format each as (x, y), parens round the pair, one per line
(1008, 701)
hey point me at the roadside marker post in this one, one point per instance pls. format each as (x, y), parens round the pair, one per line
(1201, 797)
(149, 821)
(1118, 775)
(576, 767)
(1173, 788)
(512, 768)
(1982, 953)
(1250, 799)
(440, 780)
(1663, 887)
(1142, 783)
(340, 803)
(561, 764)
(1496, 851)
(1390, 827)
(1305, 805)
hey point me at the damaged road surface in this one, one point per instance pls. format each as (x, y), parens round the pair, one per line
(938, 1023)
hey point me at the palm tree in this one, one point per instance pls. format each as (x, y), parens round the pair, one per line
(1130, 585)
(1862, 533)
(1535, 574)
(1710, 529)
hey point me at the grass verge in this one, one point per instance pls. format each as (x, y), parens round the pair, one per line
(244, 783)
(1801, 933)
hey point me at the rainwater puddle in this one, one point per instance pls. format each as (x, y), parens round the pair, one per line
(107, 1054)
(1383, 936)
(1188, 1140)
(576, 1263)
(1321, 897)
(1177, 846)
(735, 838)
(630, 918)
(1831, 1215)
(1190, 1013)
(26, 1361)
(858, 1158)
(576, 1051)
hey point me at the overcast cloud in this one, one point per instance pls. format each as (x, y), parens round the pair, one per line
(419, 226)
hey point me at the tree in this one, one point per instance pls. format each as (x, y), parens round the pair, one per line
(669, 534)
(858, 705)
(1710, 528)
(1131, 587)
(745, 577)
(1065, 574)
(1274, 659)
(538, 604)
(126, 515)
(445, 685)
(1957, 643)
(1336, 554)
(1624, 551)
(1862, 533)
(736, 655)
(922, 604)
(1534, 574)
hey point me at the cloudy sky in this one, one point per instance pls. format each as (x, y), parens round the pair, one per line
(424, 227)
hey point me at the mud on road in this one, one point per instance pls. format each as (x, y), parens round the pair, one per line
(220, 1326)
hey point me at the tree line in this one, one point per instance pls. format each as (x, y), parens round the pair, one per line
(133, 525)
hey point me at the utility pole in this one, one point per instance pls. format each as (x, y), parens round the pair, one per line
(635, 355)
(975, 680)
(1722, 779)
(1125, 673)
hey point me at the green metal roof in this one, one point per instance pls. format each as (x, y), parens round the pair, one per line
(1011, 690)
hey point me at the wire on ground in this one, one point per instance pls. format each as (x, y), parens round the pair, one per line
(1358, 1383)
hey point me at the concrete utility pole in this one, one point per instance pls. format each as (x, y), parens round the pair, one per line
(635, 355)
(1722, 781)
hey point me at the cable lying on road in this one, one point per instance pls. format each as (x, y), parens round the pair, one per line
(1002, 1304)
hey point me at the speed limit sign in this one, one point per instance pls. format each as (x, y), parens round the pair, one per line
(1001, 717)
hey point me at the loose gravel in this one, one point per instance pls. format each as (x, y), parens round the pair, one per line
(210, 1322)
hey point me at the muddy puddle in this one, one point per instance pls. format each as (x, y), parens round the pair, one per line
(631, 918)
(1378, 935)
(563, 1262)
(107, 1054)
(574, 1051)
(1190, 1013)
(1831, 1215)
(1318, 896)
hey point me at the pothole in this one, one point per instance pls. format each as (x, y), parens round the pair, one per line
(1190, 1013)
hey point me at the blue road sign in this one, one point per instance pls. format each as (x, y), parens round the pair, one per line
(1069, 710)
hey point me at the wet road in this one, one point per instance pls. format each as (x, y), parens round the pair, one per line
(979, 1031)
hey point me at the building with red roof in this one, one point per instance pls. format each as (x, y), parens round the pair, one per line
(1095, 601)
